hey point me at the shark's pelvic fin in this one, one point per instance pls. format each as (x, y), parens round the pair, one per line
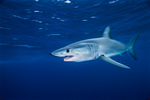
(109, 60)
(131, 46)
(106, 32)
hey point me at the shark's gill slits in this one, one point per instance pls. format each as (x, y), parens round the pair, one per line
(91, 47)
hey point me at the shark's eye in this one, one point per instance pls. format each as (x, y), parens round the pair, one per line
(67, 50)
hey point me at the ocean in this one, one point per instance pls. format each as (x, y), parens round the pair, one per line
(31, 29)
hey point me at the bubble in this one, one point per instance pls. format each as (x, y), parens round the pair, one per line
(67, 1)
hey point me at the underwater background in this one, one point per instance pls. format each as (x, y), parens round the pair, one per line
(31, 29)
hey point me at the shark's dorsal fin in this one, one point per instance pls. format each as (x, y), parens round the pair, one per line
(106, 32)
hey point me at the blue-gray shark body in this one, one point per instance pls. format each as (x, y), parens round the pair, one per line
(97, 48)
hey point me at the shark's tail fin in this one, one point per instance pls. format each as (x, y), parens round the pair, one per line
(131, 47)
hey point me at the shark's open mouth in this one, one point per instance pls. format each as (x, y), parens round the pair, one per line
(68, 57)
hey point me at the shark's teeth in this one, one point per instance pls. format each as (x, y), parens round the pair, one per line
(67, 58)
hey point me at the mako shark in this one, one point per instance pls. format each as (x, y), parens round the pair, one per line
(97, 48)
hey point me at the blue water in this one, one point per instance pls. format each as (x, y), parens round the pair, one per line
(31, 29)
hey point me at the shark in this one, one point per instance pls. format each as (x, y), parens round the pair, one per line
(97, 48)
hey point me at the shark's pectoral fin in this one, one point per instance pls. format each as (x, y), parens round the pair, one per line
(109, 60)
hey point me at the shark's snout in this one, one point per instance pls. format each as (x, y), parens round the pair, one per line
(58, 54)
(51, 54)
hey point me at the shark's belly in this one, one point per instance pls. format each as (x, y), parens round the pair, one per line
(111, 48)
